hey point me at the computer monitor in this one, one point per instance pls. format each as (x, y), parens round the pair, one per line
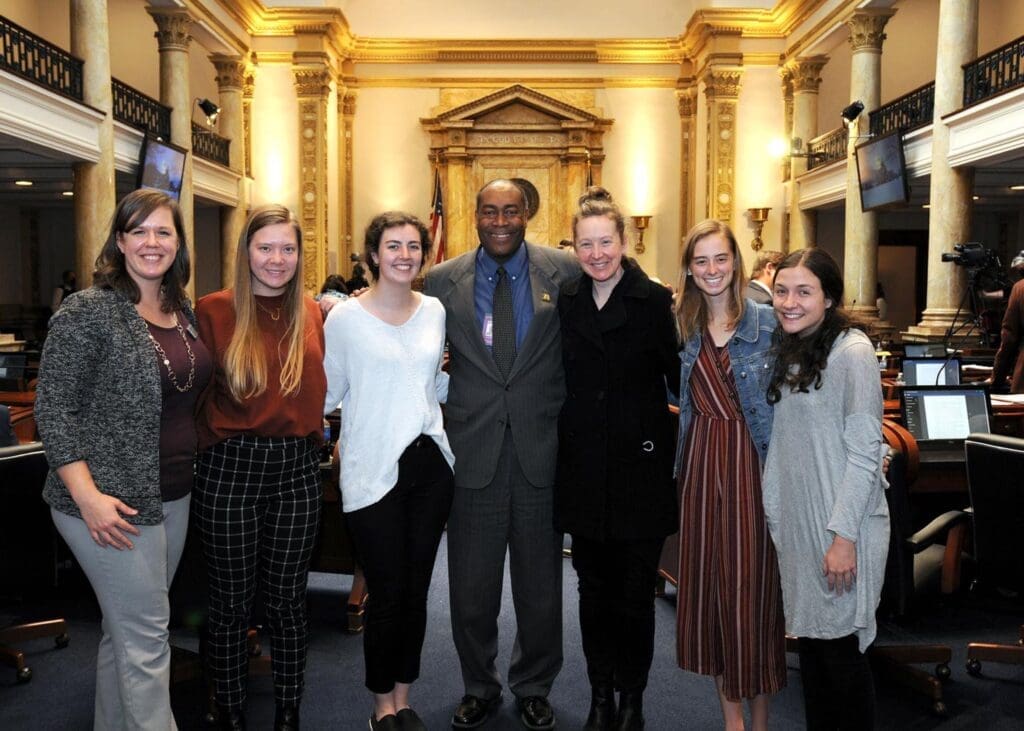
(931, 371)
(940, 416)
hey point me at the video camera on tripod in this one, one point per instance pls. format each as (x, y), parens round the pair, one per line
(984, 273)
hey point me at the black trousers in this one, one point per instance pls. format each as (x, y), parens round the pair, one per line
(839, 692)
(257, 508)
(396, 543)
(616, 585)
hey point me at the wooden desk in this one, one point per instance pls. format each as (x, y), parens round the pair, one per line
(18, 398)
(334, 552)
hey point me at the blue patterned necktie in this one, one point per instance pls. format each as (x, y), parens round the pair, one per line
(503, 333)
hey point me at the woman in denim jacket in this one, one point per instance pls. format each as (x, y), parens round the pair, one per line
(730, 622)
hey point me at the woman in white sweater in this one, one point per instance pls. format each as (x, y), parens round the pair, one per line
(823, 493)
(383, 362)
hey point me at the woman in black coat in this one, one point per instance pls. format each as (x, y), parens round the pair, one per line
(614, 492)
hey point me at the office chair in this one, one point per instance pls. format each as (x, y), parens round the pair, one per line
(995, 464)
(25, 557)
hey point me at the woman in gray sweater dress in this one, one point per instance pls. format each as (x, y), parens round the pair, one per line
(823, 494)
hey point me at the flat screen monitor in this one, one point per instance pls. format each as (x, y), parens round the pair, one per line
(931, 371)
(882, 172)
(161, 166)
(945, 415)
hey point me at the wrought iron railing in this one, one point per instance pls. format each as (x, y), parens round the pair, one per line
(910, 111)
(994, 73)
(210, 146)
(134, 108)
(26, 54)
(827, 148)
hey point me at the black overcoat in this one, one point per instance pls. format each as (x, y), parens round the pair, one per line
(616, 435)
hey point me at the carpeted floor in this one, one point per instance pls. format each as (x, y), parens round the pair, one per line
(61, 692)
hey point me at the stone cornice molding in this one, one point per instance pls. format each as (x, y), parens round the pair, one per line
(777, 22)
(553, 50)
(173, 28)
(805, 73)
(867, 28)
(231, 72)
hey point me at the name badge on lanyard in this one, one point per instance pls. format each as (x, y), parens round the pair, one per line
(488, 331)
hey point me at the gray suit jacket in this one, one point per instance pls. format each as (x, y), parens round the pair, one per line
(758, 293)
(480, 402)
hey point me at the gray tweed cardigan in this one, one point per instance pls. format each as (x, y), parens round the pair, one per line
(99, 400)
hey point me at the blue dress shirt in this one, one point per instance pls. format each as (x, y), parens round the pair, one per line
(518, 269)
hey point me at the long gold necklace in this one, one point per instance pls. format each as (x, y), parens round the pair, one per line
(275, 315)
(167, 361)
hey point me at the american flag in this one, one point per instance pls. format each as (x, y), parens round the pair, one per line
(437, 219)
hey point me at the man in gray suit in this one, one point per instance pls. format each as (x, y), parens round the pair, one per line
(505, 393)
(759, 288)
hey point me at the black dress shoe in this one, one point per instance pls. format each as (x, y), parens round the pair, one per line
(535, 713)
(474, 711)
(384, 723)
(286, 718)
(602, 709)
(232, 719)
(631, 711)
(409, 720)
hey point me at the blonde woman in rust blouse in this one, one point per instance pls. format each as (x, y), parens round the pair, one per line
(257, 504)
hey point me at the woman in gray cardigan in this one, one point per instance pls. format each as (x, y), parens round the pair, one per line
(120, 374)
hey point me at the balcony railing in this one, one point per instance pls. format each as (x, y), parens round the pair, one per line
(994, 73)
(134, 108)
(210, 146)
(906, 113)
(26, 54)
(827, 148)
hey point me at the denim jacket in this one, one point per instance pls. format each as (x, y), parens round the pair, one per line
(752, 361)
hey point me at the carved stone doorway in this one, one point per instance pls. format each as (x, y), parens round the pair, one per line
(516, 132)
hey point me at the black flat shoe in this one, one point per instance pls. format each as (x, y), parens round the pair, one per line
(286, 718)
(384, 723)
(409, 720)
(473, 711)
(602, 709)
(231, 719)
(536, 714)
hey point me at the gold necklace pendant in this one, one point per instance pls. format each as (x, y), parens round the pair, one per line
(275, 315)
(167, 361)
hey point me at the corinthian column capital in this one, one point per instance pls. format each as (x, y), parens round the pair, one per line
(173, 26)
(806, 73)
(866, 28)
(314, 82)
(230, 72)
(722, 83)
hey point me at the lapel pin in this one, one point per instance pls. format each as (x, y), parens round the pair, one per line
(545, 297)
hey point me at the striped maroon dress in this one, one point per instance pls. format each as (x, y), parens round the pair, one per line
(729, 613)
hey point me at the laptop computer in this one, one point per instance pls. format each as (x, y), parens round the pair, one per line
(924, 350)
(931, 371)
(941, 417)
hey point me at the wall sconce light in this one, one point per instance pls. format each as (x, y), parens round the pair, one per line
(851, 112)
(758, 217)
(209, 109)
(641, 223)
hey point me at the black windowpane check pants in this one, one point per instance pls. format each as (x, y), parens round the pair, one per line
(257, 508)
(396, 541)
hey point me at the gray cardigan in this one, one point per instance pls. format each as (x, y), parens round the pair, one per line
(99, 400)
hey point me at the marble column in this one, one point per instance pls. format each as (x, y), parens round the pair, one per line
(687, 98)
(949, 218)
(95, 193)
(173, 37)
(805, 77)
(860, 261)
(313, 85)
(721, 89)
(230, 80)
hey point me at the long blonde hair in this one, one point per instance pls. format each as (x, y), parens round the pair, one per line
(245, 360)
(691, 309)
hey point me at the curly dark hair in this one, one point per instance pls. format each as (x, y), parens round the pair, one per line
(383, 221)
(799, 361)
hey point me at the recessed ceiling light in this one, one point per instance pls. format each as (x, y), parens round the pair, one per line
(1017, 187)
(68, 193)
(23, 183)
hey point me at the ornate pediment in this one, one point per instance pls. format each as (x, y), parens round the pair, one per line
(518, 102)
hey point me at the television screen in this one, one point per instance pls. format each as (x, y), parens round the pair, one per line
(882, 172)
(161, 166)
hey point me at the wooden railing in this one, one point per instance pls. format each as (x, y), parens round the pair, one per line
(908, 112)
(134, 108)
(210, 146)
(827, 148)
(994, 73)
(26, 54)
